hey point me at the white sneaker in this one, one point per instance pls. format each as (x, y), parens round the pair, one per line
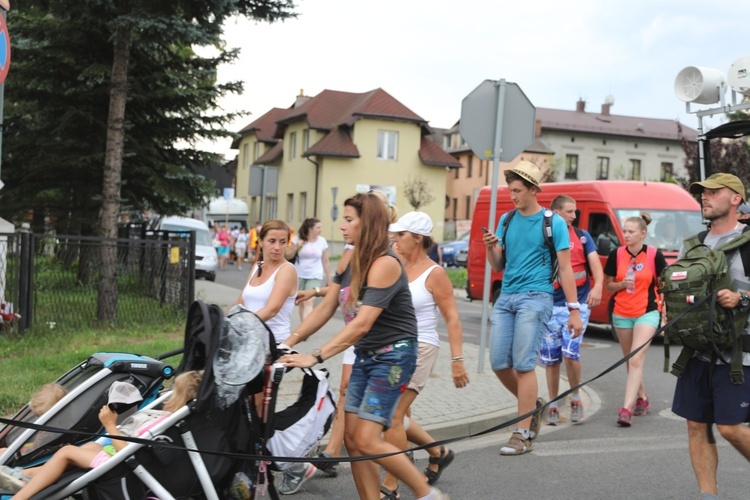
(293, 480)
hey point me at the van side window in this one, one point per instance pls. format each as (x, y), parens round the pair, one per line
(603, 233)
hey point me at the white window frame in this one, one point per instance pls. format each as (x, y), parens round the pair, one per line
(387, 145)
(292, 145)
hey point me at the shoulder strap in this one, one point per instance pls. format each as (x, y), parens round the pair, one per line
(651, 258)
(579, 235)
(741, 243)
(695, 240)
(548, 240)
(506, 223)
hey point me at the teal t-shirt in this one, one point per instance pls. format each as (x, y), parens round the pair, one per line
(527, 258)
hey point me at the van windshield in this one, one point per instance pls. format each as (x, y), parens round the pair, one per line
(668, 228)
(202, 236)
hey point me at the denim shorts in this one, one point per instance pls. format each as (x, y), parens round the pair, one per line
(379, 379)
(557, 341)
(652, 318)
(720, 400)
(518, 324)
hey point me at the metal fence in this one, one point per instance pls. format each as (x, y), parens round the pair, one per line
(53, 280)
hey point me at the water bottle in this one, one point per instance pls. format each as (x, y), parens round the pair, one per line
(630, 276)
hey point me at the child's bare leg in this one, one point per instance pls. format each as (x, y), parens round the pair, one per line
(51, 471)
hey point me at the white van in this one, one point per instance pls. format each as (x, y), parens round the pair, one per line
(206, 260)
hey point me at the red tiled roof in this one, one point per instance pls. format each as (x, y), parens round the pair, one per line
(265, 126)
(432, 154)
(272, 155)
(332, 108)
(337, 142)
(597, 123)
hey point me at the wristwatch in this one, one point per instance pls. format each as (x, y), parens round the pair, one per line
(573, 305)
(744, 300)
(316, 353)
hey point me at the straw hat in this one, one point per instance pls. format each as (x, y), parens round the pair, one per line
(528, 171)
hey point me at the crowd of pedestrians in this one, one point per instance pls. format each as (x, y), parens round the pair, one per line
(391, 293)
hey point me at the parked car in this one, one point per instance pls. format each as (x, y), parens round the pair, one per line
(206, 260)
(451, 247)
(461, 257)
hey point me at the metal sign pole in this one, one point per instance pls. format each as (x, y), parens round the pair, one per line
(497, 152)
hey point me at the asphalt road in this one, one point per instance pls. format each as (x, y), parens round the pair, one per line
(591, 460)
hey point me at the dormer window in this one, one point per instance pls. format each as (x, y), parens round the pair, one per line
(387, 145)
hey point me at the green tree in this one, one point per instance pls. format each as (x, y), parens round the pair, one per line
(104, 102)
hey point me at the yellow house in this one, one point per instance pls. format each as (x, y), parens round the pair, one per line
(306, 160)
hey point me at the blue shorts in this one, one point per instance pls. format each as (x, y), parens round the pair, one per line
(652, 318)
(557, 341)
(221, 251)
(694, 399)
(378, 379)
(518, 324)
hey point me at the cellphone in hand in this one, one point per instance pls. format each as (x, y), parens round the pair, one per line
(484, 229)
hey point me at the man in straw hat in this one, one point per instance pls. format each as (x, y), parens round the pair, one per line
(720, 401)
(521, 313)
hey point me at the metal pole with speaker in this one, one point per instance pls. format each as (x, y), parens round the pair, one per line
(701, 85)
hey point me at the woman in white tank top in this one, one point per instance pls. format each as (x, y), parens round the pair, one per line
(272, 284)
(431, 291)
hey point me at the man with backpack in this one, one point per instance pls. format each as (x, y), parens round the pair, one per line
(557, 342)
(529, 247)
(705, 393)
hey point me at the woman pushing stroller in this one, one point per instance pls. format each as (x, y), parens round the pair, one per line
(384, 335)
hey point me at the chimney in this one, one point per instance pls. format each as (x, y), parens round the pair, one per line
(605, 108)
(301, 99)
(538, 128)
(580, 106)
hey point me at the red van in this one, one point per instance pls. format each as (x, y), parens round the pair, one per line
(601, 208)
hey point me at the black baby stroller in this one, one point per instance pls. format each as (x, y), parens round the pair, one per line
(219, 424)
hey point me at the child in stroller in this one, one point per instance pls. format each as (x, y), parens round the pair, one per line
(122, 396)
(42, 400)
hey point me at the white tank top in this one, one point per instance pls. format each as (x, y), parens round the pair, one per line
(255, 298)
(425, 308)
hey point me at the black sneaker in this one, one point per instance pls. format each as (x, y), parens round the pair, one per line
(330, 469)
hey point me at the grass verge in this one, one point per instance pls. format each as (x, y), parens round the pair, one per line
(42, 355)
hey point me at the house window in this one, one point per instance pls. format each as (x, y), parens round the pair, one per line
(290, 207)
(468, 208)
(455, 173)
(293, 145)
(635, 170)
(306, 140)
(602, 167)
(256, 153)
(481, 168)
(471, 166)
(271, 207)
(455, 208)
(571, 166)
(667, 172)
(303, 205)
(245, 155)
(387, 145)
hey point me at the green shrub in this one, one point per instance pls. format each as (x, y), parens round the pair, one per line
(457, 277)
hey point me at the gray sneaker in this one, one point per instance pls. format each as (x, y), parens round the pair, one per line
(576, 411)
(293, 480)
(534, 427)
(553, 416)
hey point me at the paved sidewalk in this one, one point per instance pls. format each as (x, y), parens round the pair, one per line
(444, 411)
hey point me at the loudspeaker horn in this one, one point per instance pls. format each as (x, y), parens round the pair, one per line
(738, 76)
(700, 85)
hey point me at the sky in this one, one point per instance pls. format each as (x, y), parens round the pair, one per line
(430, 54)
